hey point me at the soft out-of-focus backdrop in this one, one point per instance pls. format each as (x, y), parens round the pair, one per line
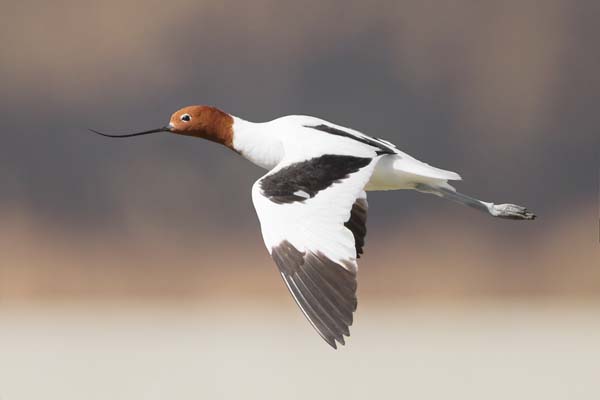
(135, 268)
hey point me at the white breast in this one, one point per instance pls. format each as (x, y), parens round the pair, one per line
(257, 142)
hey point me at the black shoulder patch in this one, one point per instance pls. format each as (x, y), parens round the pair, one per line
(383, 148)
(323, 289)
(358, 224)
(303, 180)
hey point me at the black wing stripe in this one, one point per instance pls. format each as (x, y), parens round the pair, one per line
(302, 180)
(357, 223)
(383, 147)
(323, 289)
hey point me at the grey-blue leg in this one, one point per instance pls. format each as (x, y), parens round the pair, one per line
(508, 211)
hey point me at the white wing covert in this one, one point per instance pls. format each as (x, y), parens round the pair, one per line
(312, 215)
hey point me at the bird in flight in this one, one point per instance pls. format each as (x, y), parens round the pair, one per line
(312, 202)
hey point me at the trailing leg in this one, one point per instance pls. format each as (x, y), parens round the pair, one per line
(508, 211)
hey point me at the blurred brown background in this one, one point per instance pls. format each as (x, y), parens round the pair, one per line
(158, 234)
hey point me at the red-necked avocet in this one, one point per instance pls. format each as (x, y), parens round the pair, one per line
(312, 202)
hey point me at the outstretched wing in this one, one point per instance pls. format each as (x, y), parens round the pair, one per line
(312, 215)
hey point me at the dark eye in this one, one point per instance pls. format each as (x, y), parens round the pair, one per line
(186, 117)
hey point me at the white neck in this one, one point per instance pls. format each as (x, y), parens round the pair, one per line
(257, 143)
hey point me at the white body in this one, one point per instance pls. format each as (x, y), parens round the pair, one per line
(266, 144)
(312, 205)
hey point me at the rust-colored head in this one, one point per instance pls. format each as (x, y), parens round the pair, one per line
(199, 121)
(204, 122)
